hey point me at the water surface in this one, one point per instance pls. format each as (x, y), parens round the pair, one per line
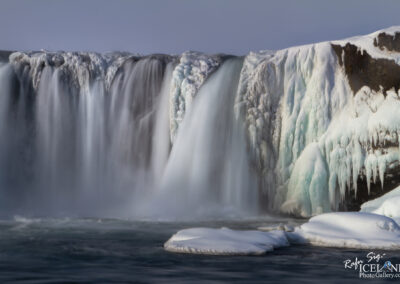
(120, 251)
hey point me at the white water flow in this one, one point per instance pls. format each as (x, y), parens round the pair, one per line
(161, 138)
(73, 148)
(208, 173)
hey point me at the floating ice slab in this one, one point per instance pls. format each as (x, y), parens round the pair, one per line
(349, 229)
(225, 241)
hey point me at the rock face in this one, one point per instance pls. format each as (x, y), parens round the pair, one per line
(380, 75)
(390, 42)
(363, 70)
(320, 125)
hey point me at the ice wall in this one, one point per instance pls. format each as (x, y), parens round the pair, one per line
(289, 98)
(311, 136)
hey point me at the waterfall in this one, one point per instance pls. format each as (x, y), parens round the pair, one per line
(76, 144)
(294, 131)
(208, 170)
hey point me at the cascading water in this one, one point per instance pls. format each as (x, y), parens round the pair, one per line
(208, 172)
(85, 147)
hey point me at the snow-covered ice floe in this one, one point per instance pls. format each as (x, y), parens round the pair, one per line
(387, 205)
(359, 230)
(349, 230)
(225, 241)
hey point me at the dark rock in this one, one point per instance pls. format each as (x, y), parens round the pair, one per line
(363, 70)
(352, 201)
(388, 42)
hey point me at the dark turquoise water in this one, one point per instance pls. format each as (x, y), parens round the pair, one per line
(115, 251)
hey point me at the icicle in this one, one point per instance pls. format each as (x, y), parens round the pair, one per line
(368, 171)
(382, 168)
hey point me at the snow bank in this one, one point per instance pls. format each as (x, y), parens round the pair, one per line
(390, 207)
(225, 241)
(350, 230)
(387, 205)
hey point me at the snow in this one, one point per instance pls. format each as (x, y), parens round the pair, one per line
(349, 230)
(224, 241)
(390, 208)
(386, 205)
(358, 230)
(366, 42)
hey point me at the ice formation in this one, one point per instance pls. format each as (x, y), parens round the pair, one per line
(302, 131)
(311, 136)
(306, 198)
(191, 72)
(225, 241)
(349, 230)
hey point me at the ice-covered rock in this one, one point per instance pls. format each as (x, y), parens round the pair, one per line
(349, 229)
(311, 95)
(288, 99)
(81, 68)
(225, 241)
(190, 73)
